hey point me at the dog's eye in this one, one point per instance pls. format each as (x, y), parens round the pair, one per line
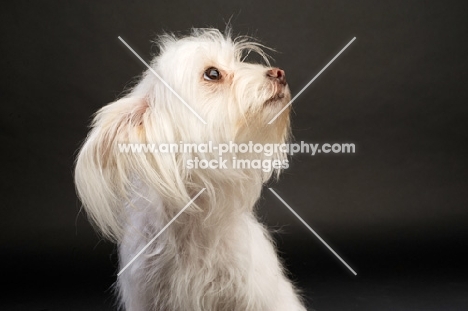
(212, 74)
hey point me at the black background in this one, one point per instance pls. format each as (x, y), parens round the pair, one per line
(396, 210)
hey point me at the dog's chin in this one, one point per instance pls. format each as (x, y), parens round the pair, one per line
(279, 99)
(275, 100)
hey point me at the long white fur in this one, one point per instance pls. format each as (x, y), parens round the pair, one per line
(216, 255)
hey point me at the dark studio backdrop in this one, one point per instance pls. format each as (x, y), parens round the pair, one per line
(396, 210)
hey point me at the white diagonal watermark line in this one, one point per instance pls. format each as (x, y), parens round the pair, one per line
(310, 82)
(312, 230)
(160, 232)
(164, 82)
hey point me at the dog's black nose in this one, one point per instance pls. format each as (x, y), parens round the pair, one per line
(277, 75)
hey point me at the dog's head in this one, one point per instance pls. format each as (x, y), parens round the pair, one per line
(199, 89)
(208, 71)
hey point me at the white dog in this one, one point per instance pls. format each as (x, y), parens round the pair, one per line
(216, 255)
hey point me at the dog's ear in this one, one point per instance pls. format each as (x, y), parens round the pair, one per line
(101, 172)
(109, 173)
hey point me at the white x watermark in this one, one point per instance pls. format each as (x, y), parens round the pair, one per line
(201, 119)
